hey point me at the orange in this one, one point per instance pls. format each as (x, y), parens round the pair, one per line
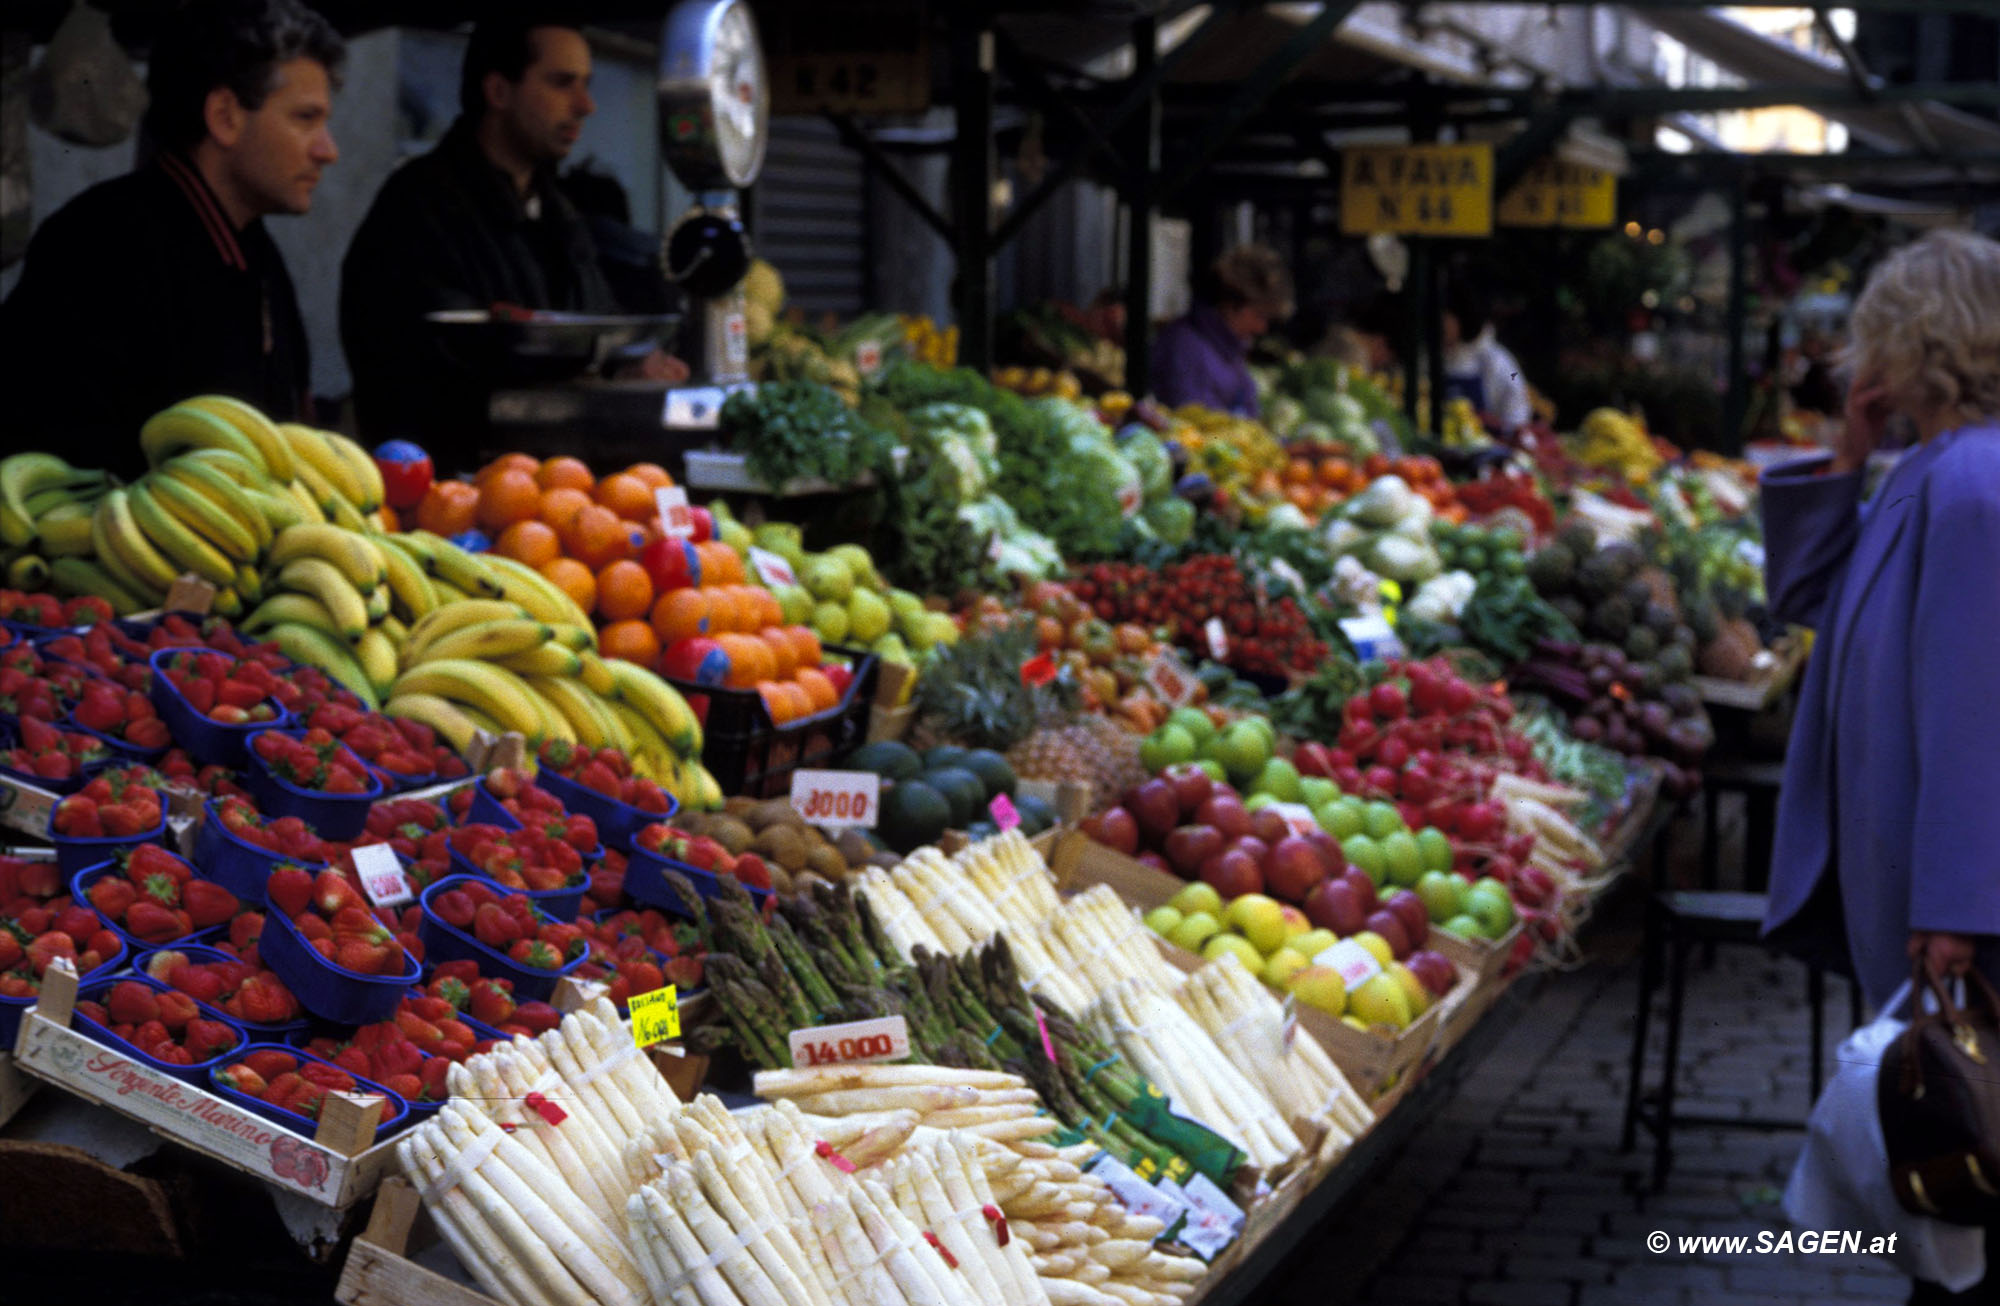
(801, 701)
(560, 506)
(448, 508)
(722, 618)
(564, 473)
(805, 644)
(750, 608)
(681, 614)
(626, 495)
(573, 579)
(632, 640)
(508, 462)
(385, 517)
(507, 497)
(749, 659)
(624, 591)
(765, 604)
(597, 538)
(777, 703)
(533, 542)
(720, 564)
(783, 653)
(819, 690)
(654, 475)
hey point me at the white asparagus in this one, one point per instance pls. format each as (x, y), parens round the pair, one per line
(570, 1151)
(606, 1090)
(521, 1226)
(644, 1084)
(1011, 1131)
(689, 1262)
(870, 1279)
(919, 1098)
(806, 1082)
(656, 1262)
(479, 1247)
(922, 1279)
(918, 1170)
(772, 1248)
(1067, 1292)
(984, 1114)
(744, 1272)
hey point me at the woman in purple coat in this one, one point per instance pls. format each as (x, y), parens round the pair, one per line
(1201, 357)
(1889, 818)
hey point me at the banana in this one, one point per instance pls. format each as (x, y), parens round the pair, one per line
(486, 641)
(64, 530)
(299, 610)
(447, 718)
(228, 603)
(542, 597)
(76, 576)
(20, 476)
(593, 723)
(28, 572)
(219, 488)
(495, 691)
(200, 515)
(394, 629)
(311, 449)
(366, 473)
(189, 551)
(346, 516)
(377, 602)
(246, 472)
(355, 555)
(302, 495)
(46, 500)
(646, 741)
(661, 704)
(254, 427)
(596, 674)
(328, 584)
(314, 647)
(413, 596)
(453, 617)
(446, 561)
(547, 659)
(376, 654)
(184, 426)
(248, 583)
(112, 560)
(482, 722)
(554, 724)
(278, 509)
(448, 593)
(130, 545)
(580, 639)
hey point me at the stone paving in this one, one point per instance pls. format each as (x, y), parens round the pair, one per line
(1517, 1193)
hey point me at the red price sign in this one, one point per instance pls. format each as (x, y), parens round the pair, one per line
(1038, 670)
(886, 1038)
(868, 358)
(773, 570)
(843, 798)
(381, 873)
(676, 521)
(1004, 814)
(1170, 680)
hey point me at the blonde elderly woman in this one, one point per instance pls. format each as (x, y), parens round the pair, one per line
(1888, 834)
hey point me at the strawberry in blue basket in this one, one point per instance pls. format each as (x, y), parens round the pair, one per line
(118, 803)
(52, 754)
(121, 713)
(606, 771)
(228, 690)
(313, 761)
(165, 1026)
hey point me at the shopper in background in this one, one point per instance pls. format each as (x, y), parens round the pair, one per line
(1889, 817)
(478, 221)
(1477, 367)
(1201, 357)
(162, 284)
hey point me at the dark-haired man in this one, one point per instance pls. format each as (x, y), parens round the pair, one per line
(478, 221)
(163, 283)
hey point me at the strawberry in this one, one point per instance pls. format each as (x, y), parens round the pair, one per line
(266, 1001)
(331, 891)
(153, 923)
(204, 1039)
(494, 927)
(131, 1002)
(242, 1079)
(176, 1009)
(535, 953)
(270, 1063)
(112, 896)
(208, 903)
(489, 1003)
(290, 889)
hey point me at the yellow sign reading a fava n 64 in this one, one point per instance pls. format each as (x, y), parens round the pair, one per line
(1417, 190)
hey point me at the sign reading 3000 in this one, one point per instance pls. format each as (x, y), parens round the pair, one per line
(1417, 190)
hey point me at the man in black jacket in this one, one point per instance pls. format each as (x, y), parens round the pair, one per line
(163, 284)
(476, 222)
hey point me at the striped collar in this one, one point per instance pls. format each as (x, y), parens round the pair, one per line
(207, 207)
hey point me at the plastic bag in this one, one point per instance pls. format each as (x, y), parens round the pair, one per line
(1841, 1179)
(85, 90)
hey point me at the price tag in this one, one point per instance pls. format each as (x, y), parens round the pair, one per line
(840, 798)
(1218, 638)
(1297, 815)
(1203, 1232)
(1372, 636)
(381, 873)
(735, 342)
(1204, 1193)
(1130, 496)
(868, 357)
(697, 408)
(1354, 963)
(1289, 574)
(656, 1016)
(1135, 1194)
(772, 569)
(676, 521)
(1004, 815)
(886, 1038)
(1169, 680)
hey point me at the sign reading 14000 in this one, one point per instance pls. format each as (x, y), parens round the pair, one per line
(1417, 190)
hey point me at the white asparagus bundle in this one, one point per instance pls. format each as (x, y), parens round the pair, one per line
(950, 904)
(1342, 1106)
(484, 1245)
(864, 1138)
(1013, 878)
(898, 916)
(1045, 966)
(798, 1083)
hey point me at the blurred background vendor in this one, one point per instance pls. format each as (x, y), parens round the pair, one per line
(1203, 356)
(1477, 367)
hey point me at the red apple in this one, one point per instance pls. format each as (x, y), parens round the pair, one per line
(1532, 887)
(1225, 812)
(1114, 828)
(1433, 970)
(1156, 810)
(1332, 905)
(1234, 873)
(1390, 926)
(704, 525)
(840, 674)
(1258, 850)
(1313, 758)
(1270, 826)
(671, 564)
(1294, 869)
(1192, 785)
(1154, 860)
(1410, 910)
(696, 660)
(1191, 845)
(1364, 888)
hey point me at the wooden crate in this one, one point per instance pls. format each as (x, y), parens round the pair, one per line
(337, 1167)
(1766, 685)
(379, 1271)
(1485, 958)
(15, 1088)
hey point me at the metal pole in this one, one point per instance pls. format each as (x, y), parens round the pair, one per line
(1434, 345)
(1142, 155)
(1413, 328)
(1738, 400)
(972, 164)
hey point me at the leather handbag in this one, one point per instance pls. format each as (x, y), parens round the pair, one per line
(1938, 1093)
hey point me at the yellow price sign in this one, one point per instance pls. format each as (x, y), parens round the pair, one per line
(1558, 194)
(1417, 190)
(656, 1016)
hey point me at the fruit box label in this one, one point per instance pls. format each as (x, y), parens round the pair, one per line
(1204, 1232)
(656, 1016)
(1169, 680)
(24, 807)
(1136, 1195)
(1371, 637)
(382, 877)
(886, 1038)
(676, 520)
(773, 570)
(837, 798)
(1353, 963)
(694, 408)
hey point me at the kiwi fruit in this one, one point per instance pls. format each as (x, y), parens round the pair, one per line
(783, 845)
(825, 860)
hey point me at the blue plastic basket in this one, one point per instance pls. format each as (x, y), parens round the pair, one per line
(12, 1009)
(563, 903)
(79, 886)
(193, 1073)
(234, 862)
(328, 991)
(209, 743)
(287, 1031)
(64, 787)
(395, 1111)
(617, 821)
(120, 750)
(645, 881)
(75, 854)
(444, 941)
(332, 816)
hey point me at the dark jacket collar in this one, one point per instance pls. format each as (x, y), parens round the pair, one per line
(490, 183)
(202, 199)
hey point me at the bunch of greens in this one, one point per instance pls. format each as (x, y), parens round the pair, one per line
(1311, 709)
(794, 429)
(1505, 616)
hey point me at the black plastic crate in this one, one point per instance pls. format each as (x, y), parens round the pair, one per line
(751, 755)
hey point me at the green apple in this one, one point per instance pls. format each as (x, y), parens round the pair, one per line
(1414, 993)
(1362, 851)
(1320, 987)
(1197, 895)
(1280, 966)
(1402, 859)
(1194, 721)
(1376, 946)
(1212, 768)
(1162, 920)
(1382, 819)
(1280, 779)
(1262, 725)
(1489, 901)
(1343, 818)
(1242, 749)
(1355, 1022)
(1313, 942)
(1443, 894)
(1195, 931)
(1463, 925)
(1380, 1001)
(1435, 845)
(1164, 747)
(1257, 802)
(1235, 945)
(1316, 791)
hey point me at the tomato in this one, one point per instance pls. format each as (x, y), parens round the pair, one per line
(406, 473)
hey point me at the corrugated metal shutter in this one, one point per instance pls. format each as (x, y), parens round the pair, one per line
(809, 217)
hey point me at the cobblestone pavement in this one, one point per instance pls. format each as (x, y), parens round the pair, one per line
(1517, 1194)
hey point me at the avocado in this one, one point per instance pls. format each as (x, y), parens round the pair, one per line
(1552, 568)
(1036, 815)
(1612, 618)
(1641, 643)
(944, 755)
(1624, 558)
(992, 770)
(962, 790)
(1579, 539)
(887, 757)
(1571, 608)
(912, 814)
(1676, 664)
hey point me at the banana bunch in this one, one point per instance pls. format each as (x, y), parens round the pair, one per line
(45, 514)
(1609, 438)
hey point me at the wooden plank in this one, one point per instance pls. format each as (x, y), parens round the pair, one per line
(15, 1088)
(376, 1276)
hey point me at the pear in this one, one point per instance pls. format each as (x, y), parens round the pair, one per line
(867, 617)
(829, 622)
